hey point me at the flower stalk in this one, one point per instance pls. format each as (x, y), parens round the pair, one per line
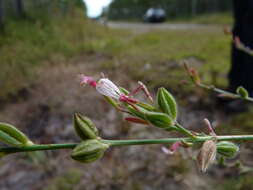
(221, 92)
(115, 143)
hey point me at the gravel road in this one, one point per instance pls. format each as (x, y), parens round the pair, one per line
(146, 27)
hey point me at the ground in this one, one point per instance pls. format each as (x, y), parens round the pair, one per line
(44, 108)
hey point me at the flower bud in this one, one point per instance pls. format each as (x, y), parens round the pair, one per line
(146, 106)
(242, 92)
(167, 103)
(227, 149)
(207, 155)
(160, 120)
(123, 90)
(84, 127)
(12, 136)
(89, 151)
(137, 111)
(111, 101)
(136, 120)
(108, 88)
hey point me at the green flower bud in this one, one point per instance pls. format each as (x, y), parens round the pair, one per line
(140, 112)
(12, 136)
(84, 127)
(227, 149)
(111, 101)
(161, 120)
(242, 92)
(147, 107)
(89, 151)
(167, 103)
(123, 90)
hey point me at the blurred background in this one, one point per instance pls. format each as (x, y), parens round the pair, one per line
(45, 44)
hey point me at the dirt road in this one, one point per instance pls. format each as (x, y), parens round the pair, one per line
(146, 27)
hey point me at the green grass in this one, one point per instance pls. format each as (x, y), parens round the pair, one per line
(153, 57)
(27, 45)
(214, 18)
(156, 57)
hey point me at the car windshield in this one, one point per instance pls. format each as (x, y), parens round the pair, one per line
(150, 12)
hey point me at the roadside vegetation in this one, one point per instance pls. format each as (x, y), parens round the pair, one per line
(224, 18)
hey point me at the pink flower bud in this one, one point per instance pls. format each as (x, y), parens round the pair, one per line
(87, 80)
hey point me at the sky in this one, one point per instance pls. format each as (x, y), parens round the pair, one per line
(95, 6)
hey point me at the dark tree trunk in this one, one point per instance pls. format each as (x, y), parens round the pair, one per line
(1, 15)
(20, 8)
(241, 72)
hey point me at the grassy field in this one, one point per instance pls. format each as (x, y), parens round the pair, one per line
(26, 45)
(215, 18)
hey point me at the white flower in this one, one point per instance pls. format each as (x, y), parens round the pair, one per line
(108, 88)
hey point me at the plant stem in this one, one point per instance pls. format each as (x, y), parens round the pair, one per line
(220, 91)
(184, 131)
(40, 147)
(37, 147)
(173, 140)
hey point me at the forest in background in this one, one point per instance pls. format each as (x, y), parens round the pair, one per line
(135, 9)
(36, 9)
(29, 35)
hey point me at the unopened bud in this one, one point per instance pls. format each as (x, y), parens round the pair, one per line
(242, 92)
(12, 136)
(160, 120)
(111, 101)
(227, 149)
(167, 103)
(84, 127)
(137, 111)
(136, 120)
(146, 106)
(207, 155)
(195, 76)
(123, 90)
(89, 151)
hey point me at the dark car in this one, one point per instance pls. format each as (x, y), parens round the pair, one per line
(154, 15)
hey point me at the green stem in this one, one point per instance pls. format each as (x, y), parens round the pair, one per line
(184, 131)
(173, 140)
(37, 147)
(127, 143)
(220, 91)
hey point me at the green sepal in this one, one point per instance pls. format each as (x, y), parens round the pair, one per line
(140, 112)
(242, 92)
(158, 119)
(147, 107)
(11, 135)
(227, 149)
(89, 151)
(112, 102)
(166, 103)
(7, 139)
(123, 90)
(84, 127)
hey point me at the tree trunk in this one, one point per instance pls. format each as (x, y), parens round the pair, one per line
(241, 73)
(20, 8)
(1, 15)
